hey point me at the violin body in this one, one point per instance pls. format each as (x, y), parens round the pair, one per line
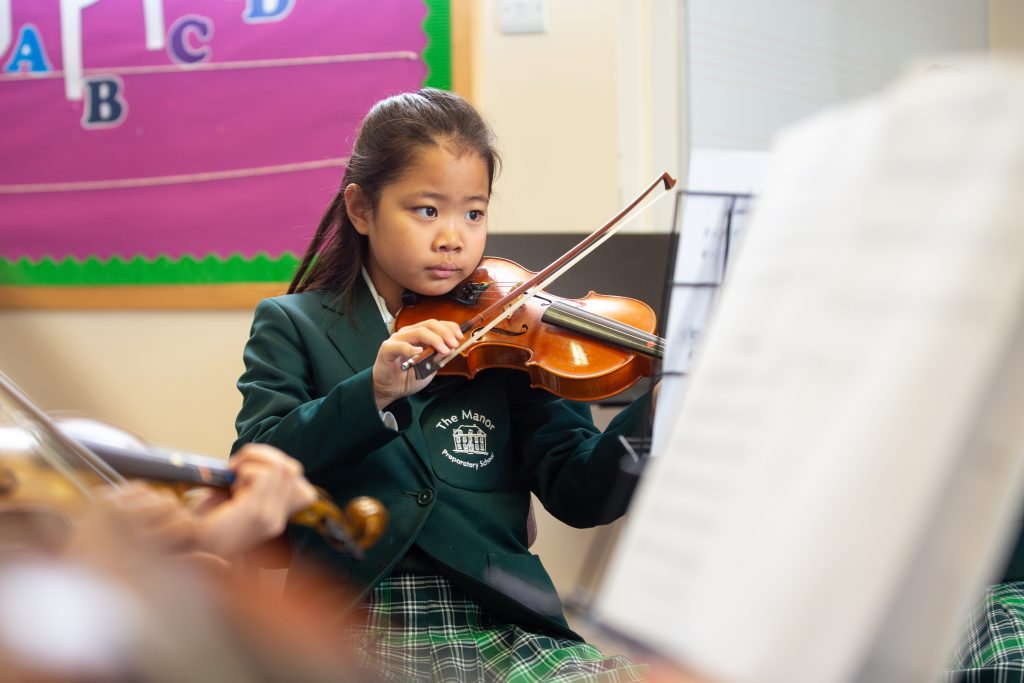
(571, 363)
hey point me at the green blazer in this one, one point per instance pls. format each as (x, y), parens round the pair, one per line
(457, 475)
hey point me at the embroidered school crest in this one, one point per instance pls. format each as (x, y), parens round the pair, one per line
(470, 440)
(467, 435)
(468, 432)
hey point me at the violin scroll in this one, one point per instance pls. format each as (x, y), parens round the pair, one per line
(352, 530)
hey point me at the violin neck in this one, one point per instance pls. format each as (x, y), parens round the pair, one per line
(161, 465)
(562, 314)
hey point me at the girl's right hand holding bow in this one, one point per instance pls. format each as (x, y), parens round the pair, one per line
(390, 382)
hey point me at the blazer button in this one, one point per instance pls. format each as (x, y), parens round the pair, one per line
(425, 496)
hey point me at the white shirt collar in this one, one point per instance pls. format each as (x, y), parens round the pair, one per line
(382, 306)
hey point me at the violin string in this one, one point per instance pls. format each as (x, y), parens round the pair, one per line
(616, 325)
(625, 334)
(623, 330)
(628, 333)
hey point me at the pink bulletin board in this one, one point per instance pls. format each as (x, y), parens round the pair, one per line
(181, 142)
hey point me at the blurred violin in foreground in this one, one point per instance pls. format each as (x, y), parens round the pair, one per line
(582, 349)
(49, 470)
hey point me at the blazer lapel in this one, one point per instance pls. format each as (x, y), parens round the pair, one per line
(357, 334)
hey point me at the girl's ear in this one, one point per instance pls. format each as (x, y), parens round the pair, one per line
(359, 210)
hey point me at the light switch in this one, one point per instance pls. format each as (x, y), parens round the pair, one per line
(524, 16)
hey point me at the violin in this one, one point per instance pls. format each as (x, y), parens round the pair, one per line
(49, 468)
(581, 349)
(351, 530)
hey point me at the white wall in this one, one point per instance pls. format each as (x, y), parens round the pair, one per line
(756, 67)
(553, 101)
(167, 376)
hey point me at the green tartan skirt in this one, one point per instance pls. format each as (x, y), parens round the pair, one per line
(420, 627)
(992, 649)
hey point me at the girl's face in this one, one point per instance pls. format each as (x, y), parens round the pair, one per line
(427, 233)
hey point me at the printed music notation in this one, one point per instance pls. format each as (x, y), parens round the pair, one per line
(711, 226)
(850, 434)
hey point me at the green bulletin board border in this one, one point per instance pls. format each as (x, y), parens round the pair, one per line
(437, 55)
(210, 269)
(141, 271)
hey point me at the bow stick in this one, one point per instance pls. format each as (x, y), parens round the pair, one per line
(505, 307)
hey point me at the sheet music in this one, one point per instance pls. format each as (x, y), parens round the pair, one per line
(713, 210)
(865, 330)
(712, 228)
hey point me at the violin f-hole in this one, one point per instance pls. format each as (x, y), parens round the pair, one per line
(508, 333)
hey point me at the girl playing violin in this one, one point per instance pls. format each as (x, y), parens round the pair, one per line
(451, 591)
